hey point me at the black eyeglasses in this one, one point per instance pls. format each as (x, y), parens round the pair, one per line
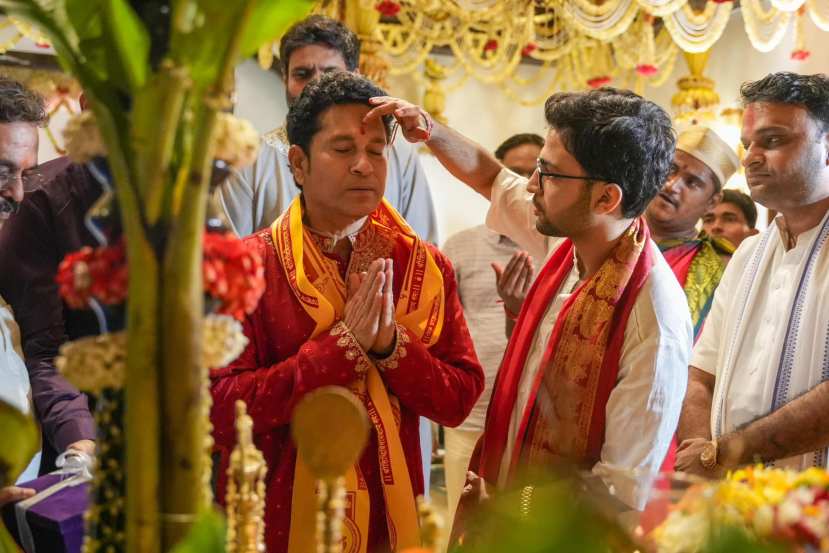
(542, 174)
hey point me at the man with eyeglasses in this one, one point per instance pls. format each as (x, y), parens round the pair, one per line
(21, 113)
(594, 373)
(46, 225)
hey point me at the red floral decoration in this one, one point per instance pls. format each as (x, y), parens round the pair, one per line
(721, 1)
(647, 69)
(99, 273)
(529, 48)
(800, 54)
(388, 8)
(598, 82)
(233, 274)
(491, 45)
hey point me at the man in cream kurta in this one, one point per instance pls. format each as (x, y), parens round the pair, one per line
(590, 188)
(762, 357)
(644, 407)
(757, 387)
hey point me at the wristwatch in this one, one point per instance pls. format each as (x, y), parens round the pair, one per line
(708, 455)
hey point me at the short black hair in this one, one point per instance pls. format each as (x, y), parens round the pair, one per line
(18, 104)
(330, 89)
(319, 29)
(808, 91)
(517, 140)
(617, 136)
(743, 202)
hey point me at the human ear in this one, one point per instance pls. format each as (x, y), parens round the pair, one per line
(609, 198)
(299, 163)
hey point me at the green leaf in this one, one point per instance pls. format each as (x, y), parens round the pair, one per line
(130, 43)
(203, 31)
(85, 18)
(270, 19)
(207, 535)
(21, 439)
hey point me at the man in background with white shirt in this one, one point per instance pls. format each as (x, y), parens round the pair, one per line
(254, 197)
(758, 389)
(472, 252)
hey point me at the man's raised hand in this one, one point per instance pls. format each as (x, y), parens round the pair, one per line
(415, 123)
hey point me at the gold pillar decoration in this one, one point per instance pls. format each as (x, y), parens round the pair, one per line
(434, 97)
(328, 451)
(696, 98)
(245, 490)
(364, 21)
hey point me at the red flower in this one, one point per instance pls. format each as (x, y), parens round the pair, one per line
(42, 45)
(233, 274)
(598, 82)
(99, 273)
(800, 54)
(529, 48)
(388, 8)
(647, 69)
(490, 45)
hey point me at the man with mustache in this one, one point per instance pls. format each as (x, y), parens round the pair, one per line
(254, 197)
(757, 389)
(21, 113)
(703, 163)
(353, 298)
(594, 373)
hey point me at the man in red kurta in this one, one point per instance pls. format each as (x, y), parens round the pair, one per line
(354, 298)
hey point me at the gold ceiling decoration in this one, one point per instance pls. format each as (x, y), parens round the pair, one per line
(765, 24)
(564, 44)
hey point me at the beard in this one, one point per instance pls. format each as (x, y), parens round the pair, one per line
(569, 223)
(545, 227)
(8, 207)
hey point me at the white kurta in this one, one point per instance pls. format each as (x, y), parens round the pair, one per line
(767, 335)
(643, 409)
(255, 196)
(14, 379)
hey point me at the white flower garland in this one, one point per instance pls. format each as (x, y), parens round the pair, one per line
(96, 363)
